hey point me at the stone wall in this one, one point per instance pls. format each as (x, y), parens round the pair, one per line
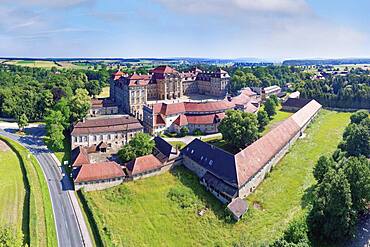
(98, 185)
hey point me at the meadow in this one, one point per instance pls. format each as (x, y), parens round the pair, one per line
(163, 210)
(38, 225)
(12, 189)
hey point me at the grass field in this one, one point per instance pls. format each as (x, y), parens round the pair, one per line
(178, 144)
(12, 188)
(141, 213)
(104, 93)
(39, 230)
(279, 117)
(43, 64)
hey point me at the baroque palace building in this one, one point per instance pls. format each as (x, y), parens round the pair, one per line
(132, 92)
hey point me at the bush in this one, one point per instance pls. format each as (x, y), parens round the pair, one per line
(184, 131)
(197, 132)
(184, 197)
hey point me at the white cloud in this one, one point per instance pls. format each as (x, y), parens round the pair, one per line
(56, 3)
(222, 7)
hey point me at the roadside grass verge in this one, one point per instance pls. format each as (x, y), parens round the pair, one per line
(14, 196)
(41, 224)
(163, 210)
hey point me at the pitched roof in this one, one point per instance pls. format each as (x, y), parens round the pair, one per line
(99, 103)
(106, 124)
(181, 120)
(142, 164)
(136, 80)
(211, 106)
(158, 120)
(238, 207)
(163, 69)
(240, 168)
(99, 171)
(118, 74)
(163, 146)
(296, 103)
(217, 161)
(79, 156)
(251, 159)
(205, 119)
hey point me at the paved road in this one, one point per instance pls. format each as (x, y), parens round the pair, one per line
(67, 228)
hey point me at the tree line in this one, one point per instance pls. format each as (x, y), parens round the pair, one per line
(265, 76)
(349, 91)
(31, 92)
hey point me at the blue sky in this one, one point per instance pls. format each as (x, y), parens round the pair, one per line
(270, 29)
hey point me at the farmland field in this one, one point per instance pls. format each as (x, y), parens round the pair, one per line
(12, 188)
(163, 210)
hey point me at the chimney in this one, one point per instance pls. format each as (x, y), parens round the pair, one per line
(84, 120)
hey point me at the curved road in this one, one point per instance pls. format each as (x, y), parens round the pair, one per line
(67, 226)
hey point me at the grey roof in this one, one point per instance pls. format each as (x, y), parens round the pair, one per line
(297, 103)
(213, 159)
(238, 207)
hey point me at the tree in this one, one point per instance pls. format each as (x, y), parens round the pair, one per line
(239, 128)
(184, 131)
(332, 218)
(127, 153)
(275, 99)
(140, 145)
(263, 119)
(22, 121)
(270, 107)
(357, 140)
(94, 87)
(357, 171)
(80, 104)
(63, 106)
(358, 116)
(56, 136)
(322, 166)
(53, 117)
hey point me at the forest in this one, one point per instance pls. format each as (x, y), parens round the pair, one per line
(33, 91)
(350, 91)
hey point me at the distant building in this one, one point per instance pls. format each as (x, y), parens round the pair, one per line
(131, 92)
(105, 134)
(295, 95)
(102, 107)
(268, 91)
(203, 116)
(229, 176)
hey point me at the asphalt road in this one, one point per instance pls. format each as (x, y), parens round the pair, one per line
(67, 228)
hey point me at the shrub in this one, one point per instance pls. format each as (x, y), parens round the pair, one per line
(184, 197)
(197, 132)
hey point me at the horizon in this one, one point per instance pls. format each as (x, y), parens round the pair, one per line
(236, 29)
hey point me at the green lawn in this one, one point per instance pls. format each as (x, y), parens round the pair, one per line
(179, 144)
(142, 213)
(12, 189)
(105, 93)
(279, 117)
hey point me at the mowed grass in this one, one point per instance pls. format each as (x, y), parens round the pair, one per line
(141, 213)
(278, 118)
(12, 189)
(105, 93)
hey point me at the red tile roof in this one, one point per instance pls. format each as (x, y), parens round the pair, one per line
(181, 120)
(136, 80)
(142, 164)
(164, 69)
(99, 171)
(79, 156)
(205, 119)
(117, 75)
(158, 120)
(108, 124)
(212, 106)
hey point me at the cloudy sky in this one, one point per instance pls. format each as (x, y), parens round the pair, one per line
(272, 29)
